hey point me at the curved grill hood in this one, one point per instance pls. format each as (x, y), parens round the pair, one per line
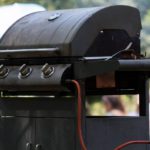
(71, 31)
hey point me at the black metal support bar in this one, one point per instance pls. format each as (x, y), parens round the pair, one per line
(134, 65)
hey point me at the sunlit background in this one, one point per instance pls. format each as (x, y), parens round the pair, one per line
(96, 105)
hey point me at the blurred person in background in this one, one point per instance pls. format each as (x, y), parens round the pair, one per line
(113, 106)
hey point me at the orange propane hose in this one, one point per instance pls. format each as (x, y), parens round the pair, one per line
(79, 123)
(79, 115)
(131, 143)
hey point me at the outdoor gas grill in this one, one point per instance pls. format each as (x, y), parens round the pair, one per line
(44, 54)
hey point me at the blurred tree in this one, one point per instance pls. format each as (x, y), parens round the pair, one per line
(50, 4)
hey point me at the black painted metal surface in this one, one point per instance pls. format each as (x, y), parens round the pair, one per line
(38, 124)
(107, 133)
(16, 133)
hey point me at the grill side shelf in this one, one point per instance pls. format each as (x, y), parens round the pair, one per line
(88, 68)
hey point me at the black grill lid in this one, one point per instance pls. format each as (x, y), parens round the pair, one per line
(71, 31)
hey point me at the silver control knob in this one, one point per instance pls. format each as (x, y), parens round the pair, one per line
(24, 71)
(47, 70)
(3, 71)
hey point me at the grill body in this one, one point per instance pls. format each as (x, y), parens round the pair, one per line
(42, 51)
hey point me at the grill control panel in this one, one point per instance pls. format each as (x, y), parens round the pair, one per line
(35, 76)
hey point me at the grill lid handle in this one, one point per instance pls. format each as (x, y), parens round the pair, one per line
(29, 53)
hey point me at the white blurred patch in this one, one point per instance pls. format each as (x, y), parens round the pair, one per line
(11, 13)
